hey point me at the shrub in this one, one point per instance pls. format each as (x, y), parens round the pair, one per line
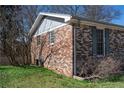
(108, 66)
(88, 67)
(101, 67)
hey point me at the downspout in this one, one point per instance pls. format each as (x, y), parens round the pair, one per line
(74, 49)
(104, 42)
(74, 52)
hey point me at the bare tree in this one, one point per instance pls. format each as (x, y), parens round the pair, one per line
(75, 10)
(9, 32)
(30, 13)
(93, 12)
(15, 23)
(101, 13)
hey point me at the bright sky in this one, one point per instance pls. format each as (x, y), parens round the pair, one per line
(120, 21)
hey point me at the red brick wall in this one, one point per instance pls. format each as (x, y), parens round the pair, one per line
(61, 57)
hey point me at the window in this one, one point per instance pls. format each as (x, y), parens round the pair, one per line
(38, 40)
(51, 37)
(100, 45)
(99, 42)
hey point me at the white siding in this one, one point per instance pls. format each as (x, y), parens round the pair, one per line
(48, 24)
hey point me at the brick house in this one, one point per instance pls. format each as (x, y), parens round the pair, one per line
(70, 40)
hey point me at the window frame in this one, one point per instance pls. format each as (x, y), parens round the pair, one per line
(38, 40)
(103, 45)
(51, 37)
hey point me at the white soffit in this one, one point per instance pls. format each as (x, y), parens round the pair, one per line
(66, 18)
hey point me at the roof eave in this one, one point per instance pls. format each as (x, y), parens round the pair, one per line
(41, 17)
(34, 26)
(97, 23)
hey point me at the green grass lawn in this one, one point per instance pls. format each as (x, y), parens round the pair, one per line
(40, 77)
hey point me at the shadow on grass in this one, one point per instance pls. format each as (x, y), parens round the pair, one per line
(5, 68)
(18, 67)
(24, 68)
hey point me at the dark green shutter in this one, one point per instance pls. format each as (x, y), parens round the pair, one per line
(106, 41)
(94, 39)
